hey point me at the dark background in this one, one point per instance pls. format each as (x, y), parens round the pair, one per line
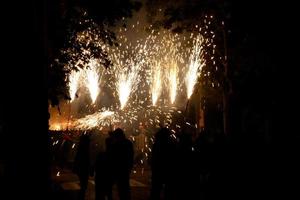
(271, 43)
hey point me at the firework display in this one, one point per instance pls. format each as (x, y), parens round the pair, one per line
(146, 77)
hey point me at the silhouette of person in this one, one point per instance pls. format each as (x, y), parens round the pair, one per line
(120, 159)
(162, 165)
(82, 163)
(187, 171)
(102, 177)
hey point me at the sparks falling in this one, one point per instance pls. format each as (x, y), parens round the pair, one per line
(158, 67)
(92, 80)
(73, 83)
(156, 82)
(196, 62)
(128, 61)
(166, 48)
(101, 118)
(125, 86)
(173, 80)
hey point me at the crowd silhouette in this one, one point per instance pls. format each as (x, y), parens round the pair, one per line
(163, 165)
(112, 166)
(182, 166)
(82, 163)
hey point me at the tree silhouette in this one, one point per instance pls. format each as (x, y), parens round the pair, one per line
(211, 16)
(69, 19)
(245, 40)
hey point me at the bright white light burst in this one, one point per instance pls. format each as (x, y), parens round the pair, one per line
(92, 79)
(156, 82)
(73, 83)
(196, 62)
(102, 118)
(173, 80)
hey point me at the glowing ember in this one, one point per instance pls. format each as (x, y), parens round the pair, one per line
(94, 120)
(106, 114)
(196, 63)
(55, 127)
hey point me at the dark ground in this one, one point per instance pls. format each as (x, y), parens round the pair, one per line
(66, 185)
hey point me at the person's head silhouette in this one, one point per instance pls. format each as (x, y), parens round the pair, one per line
(119, 133)
(84, 139)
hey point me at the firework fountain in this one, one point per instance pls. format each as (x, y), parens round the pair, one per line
(196, 62)
(173, 80)
(150, 69)
(151, 80)
(156, 82)
(92, 79)
(73, 83)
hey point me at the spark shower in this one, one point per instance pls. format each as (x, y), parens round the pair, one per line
(147, 76)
